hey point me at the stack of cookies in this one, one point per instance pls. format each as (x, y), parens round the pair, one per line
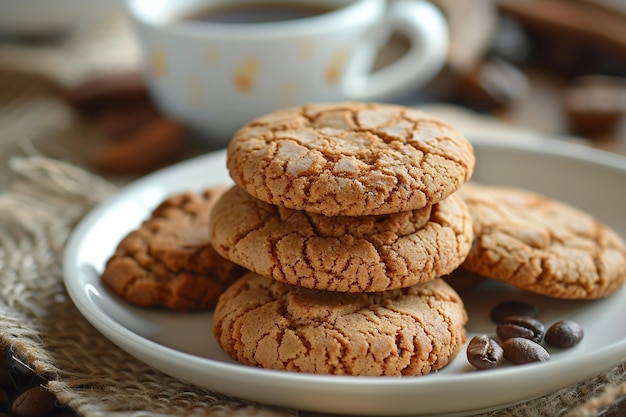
(327, 255)
(346, 214)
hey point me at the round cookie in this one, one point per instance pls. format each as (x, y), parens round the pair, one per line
(350, 159)
(341, 253)
(542, 245)
(169, 261)
(413, 331)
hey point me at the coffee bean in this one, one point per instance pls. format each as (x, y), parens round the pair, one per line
(513, 308)
(6, 381)
(4, 398)
(16, 365)
(484, 352)
(520, 326)
(521, 334)
(4, 358)
(34, 402)
(519, 351)
(564, 334)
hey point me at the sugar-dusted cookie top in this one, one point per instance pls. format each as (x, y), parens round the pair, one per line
(341, 253)
(414, 331)
(169, 261)
(350, 159)
(542, 245)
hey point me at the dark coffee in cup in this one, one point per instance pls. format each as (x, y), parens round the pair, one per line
(257, 12)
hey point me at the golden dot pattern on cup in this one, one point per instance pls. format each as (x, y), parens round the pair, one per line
(306, 51)
(212, 55)
(158, 61)
(246, 74)
(335, 67)
(196, 92)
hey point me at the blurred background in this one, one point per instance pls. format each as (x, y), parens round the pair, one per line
(72, 89)
(71, 86)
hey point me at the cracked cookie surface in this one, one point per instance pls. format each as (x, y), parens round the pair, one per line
(350, 159)
(542, 245)
(341, 253)
(169, 261)
(413, 331)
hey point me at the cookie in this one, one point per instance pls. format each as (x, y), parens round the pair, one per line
(413, 331)
(169, 261)
(341, 253)
(350, 159)
(542, 245)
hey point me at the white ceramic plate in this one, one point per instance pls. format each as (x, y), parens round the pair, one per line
(182, 345)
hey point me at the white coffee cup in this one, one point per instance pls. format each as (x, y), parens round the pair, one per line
(215, 77)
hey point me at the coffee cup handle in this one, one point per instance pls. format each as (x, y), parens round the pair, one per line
(426, 28)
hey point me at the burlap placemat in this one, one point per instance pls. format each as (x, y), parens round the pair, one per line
(46, 188)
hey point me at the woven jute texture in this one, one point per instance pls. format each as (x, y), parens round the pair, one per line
(46, 188)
